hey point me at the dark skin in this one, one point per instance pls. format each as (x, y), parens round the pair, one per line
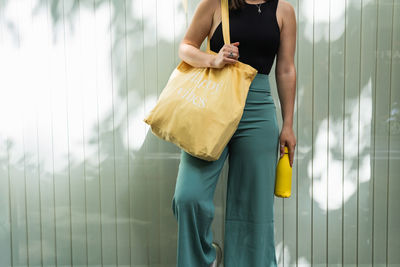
(205, 20)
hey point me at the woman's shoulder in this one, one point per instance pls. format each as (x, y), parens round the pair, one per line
(210, 6)
(210, 3)
(285, 12)
(285, 7)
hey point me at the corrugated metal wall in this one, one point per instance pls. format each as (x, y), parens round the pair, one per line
(84, 182)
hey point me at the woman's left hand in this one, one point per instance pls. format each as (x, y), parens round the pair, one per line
(287, 138)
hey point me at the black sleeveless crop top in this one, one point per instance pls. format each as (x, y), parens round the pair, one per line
(258, 34)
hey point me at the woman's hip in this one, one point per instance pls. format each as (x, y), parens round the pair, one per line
(259, 101)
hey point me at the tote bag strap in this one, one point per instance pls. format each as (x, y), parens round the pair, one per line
(225, 24)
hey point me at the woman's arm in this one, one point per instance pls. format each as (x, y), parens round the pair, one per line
(200, 27)
(285, 74)
(189, 48)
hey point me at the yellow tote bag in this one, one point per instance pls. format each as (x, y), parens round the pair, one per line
(200, 108)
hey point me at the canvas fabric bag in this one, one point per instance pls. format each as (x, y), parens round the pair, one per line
(200, 107)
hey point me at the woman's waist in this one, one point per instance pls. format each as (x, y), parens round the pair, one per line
(260, 83)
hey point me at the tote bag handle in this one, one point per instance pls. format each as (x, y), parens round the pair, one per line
(225, 24)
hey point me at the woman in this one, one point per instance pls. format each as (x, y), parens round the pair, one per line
(259, 31)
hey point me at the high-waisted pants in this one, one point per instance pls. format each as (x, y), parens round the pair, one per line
(249, 220)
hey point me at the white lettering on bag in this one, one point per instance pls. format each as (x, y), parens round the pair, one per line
(202, 87)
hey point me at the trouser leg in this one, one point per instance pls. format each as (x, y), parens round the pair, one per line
(193, 207)
(253, 154)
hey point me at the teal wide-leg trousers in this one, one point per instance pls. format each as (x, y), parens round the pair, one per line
(249, 221)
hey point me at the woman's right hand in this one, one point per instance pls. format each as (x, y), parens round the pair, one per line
(223, 58)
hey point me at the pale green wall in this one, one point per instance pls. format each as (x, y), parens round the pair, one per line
(84, 182)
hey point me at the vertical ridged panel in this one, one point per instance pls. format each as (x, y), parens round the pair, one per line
(84, 182)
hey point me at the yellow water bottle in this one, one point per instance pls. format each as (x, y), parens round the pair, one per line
(283, 179)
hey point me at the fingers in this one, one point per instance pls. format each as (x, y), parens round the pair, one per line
(234, 46)
(281, 150)
(235, 55)
(290, 152)
(229, 60)
(226, 51)
(234, 49)
(231, 48)
(291, 157)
